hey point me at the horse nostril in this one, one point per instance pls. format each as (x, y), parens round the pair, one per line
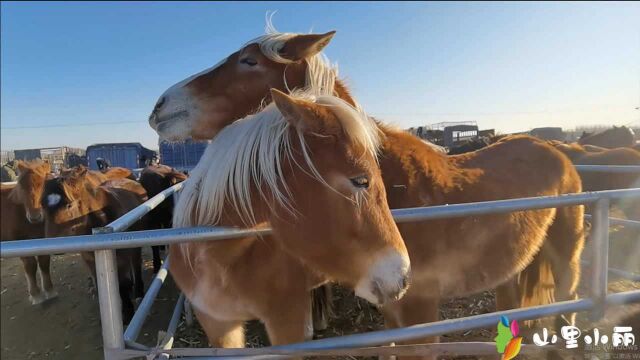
(159, 104)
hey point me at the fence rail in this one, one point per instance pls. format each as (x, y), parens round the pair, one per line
(109, 238)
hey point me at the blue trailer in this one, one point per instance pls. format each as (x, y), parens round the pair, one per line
(182, 155)
(127, 155)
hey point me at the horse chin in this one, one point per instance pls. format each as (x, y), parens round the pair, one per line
(174, 130)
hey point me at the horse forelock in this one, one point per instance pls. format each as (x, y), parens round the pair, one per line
(248, 156)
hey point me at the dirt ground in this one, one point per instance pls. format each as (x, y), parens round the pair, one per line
(69, 327)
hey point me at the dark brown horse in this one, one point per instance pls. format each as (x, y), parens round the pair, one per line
(450, 257)
(155, 179)
(16, 209)
(74, 205)
(612, 138)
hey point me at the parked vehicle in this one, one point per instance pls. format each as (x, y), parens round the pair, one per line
(126, 155)
(182, 156)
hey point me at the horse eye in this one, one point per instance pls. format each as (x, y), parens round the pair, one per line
(249, 61)
(360, 181)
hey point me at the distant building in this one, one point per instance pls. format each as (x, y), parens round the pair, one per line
(58, 157)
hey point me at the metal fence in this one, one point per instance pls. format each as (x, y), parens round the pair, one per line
(119, 344)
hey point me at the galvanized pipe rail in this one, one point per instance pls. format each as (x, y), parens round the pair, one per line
(613, 169)
(103, 241)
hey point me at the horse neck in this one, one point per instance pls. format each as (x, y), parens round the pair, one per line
(226, 253)
(414, 173)
(343, 92)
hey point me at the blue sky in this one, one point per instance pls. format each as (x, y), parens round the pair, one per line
(509, 66)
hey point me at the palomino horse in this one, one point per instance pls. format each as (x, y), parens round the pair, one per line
(154, 179)
(611, 138)
(450, 257)
(73, 205)
(298, 166)
(21, 214)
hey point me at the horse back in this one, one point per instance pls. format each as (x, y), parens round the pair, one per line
(518, 166)
(118, 173)
(123, 195)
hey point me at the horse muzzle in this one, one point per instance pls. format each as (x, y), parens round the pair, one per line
(387, 280)
(36, 217)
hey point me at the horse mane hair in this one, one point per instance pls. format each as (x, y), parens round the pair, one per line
(250, 153)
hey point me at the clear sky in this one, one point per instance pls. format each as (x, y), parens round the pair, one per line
(509, 66)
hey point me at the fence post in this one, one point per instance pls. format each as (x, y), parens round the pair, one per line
(600, 263)
(109, 299)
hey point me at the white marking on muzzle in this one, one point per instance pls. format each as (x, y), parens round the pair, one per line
(53, 199)
(387, 279)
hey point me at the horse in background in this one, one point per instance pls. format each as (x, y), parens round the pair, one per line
(470, 145)
(298, 165)
(596, 181)
(155, 179)
(22, 220)
(112, 173)
(73, 205)
(612, 138)
(532, 256)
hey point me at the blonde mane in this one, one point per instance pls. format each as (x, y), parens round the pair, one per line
(249, 154)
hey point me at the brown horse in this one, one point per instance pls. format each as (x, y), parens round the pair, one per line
(612, 138)
(595, 181)
(73, 205)
(21, 214)
(118, 173)
(298, 165)
(155, 179)
(451, 257)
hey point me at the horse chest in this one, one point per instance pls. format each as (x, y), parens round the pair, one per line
(218, 301)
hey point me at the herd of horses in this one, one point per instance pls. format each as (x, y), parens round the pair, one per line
(293, 150)
(42, 204)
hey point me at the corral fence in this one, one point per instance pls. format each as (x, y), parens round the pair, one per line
(120, 344)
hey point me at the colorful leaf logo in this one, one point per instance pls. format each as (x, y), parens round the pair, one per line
(508, 343)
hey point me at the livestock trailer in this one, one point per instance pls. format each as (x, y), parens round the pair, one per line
(127, 155)
(182, 155)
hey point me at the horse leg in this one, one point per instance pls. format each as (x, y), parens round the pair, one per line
(291, 324)
(566, 241)
(508, 295)
(222, 334)
(44, 263)
(125, 285)
(30, 268)
(157, 263)
(90, 261)
(136, 265)
(412, 309)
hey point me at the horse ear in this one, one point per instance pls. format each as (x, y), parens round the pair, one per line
(305, 116)
(305, 45)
